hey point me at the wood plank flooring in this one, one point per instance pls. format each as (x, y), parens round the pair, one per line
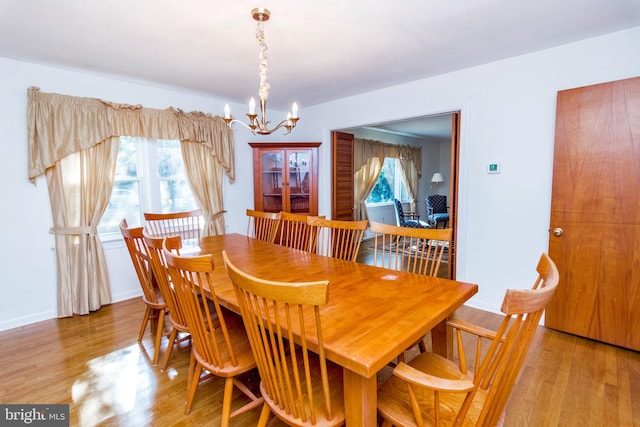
(95, 364)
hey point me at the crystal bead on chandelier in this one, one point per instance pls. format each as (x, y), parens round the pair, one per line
(260, 126)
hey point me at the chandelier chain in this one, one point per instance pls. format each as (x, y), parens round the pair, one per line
(264, 61)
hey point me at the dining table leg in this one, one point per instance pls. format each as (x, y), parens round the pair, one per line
(360, 399)
(442, 340)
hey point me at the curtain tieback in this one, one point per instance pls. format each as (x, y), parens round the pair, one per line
(73, 230)
(215, 216)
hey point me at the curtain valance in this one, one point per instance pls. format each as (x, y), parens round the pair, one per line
(364, 149)
(60, 125)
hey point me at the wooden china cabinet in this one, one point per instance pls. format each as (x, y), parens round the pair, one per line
(286, 177)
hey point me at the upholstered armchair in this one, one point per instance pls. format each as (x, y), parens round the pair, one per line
(437, 211)
(402, 220)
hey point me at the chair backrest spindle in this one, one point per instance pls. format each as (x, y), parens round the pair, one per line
(416, 250)
(294, 231)
(263, 225)
(184, 224)
(337, 239)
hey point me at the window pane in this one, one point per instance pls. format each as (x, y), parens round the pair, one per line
(170, 162)
(390, 184)
(176, 196)
(124, 203)
(383, 190)
(175, 192)
(127, 165)
(125, 196)
(136, 191)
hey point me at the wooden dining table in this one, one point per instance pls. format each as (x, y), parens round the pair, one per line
(372, 314)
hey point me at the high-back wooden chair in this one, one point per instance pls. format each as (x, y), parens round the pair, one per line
(263, 225)
(335, 238)
(151, 295)
(416, 250)
(161, 275)
(432, 390)
(294, 231)
(219, 340)
(299, 386)
(184, 224)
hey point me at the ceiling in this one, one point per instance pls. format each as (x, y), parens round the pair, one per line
(318, 50)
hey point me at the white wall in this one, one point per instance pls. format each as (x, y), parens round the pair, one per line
(508, 116)
(508, 111)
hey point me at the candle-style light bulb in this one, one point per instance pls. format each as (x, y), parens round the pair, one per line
(294, 110)
(227, 111)
(252, 106)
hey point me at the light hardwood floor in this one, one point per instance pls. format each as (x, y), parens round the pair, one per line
(94, 364)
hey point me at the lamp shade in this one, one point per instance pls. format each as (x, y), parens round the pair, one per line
(437, 178)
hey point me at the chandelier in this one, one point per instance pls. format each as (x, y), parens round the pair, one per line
(260, 125)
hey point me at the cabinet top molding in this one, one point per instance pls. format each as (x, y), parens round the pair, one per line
(284, 144)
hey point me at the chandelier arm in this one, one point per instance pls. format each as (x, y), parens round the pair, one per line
(263, 130)
(232, 121)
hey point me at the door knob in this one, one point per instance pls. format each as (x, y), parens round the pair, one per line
(558, 231)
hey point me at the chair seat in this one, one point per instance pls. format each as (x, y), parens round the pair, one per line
(440, 217)
(395, 404)
(241, 348)
(415, 223)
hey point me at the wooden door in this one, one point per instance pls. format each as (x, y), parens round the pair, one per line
(342, 180)
(595, 213)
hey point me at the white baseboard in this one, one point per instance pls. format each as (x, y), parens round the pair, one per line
(27, 320)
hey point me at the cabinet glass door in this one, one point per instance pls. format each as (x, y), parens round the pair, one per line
(272, 181)
(299, 181)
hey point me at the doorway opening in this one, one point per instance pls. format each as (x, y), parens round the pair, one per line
(438, 136)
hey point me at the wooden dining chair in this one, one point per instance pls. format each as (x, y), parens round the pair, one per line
(219, 340)
(155, 303)
(294, 231)
(298, 384)
(161, 275)
(263, 225)
(433, 390)
(184, 224)
(416, 250)
(335, 238)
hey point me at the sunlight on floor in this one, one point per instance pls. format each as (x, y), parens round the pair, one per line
(109, 385)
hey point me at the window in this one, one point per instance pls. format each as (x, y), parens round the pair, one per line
(390, 184)
(135, 191)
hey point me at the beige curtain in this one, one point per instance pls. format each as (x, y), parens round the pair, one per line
(204, 174)
(79, 191)
(366, 149)
(61, 125)
(410, 173)
(364, 181)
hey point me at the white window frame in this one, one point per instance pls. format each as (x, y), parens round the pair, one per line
(148, 183)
